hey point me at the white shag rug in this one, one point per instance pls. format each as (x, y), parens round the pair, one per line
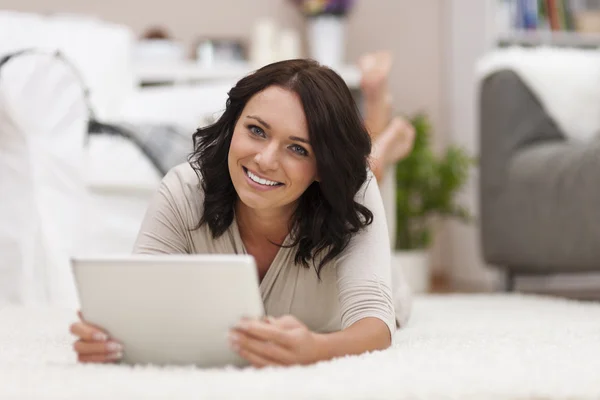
(454, 347)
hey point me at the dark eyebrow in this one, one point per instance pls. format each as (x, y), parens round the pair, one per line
(295, 138)
(299, 139)
(259, 120)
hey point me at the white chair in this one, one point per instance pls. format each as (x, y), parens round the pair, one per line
(43, 124)
(61, 195)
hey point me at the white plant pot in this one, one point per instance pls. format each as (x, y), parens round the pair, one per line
(413, 266)
(326, 35)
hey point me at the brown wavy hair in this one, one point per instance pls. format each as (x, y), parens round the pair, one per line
(327, 215)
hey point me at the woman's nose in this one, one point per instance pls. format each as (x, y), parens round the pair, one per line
(268, 158)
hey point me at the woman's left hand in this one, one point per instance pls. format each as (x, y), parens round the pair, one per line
(274, 341)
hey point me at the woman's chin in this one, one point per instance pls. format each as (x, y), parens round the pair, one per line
(256, 201)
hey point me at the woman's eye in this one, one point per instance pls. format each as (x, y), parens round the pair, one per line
(299, 150)
(256, 130)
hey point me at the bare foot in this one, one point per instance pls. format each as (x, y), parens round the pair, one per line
(375, 69)
(396, 141)
(392, 145)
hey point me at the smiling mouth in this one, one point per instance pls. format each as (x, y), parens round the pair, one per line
(259, 180)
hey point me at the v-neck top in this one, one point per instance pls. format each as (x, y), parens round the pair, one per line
(353, 286)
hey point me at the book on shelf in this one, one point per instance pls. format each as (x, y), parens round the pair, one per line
(550, 15)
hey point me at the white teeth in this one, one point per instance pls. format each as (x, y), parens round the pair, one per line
(260, 180)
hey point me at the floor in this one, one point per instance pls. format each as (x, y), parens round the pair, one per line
(440, 284)
(456, 348)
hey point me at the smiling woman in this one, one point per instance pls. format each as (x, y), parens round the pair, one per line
(283, 176)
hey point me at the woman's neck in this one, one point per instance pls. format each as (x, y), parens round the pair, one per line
(259, 225)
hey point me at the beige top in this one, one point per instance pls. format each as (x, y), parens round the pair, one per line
(356, 286)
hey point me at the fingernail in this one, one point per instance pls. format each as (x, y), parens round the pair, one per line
(115, 356)
(114, 347)
(100, 336)
(233, 341)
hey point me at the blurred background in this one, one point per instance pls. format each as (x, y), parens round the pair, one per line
(155, 71)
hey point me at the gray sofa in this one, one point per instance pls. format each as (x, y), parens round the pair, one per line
(539, 193)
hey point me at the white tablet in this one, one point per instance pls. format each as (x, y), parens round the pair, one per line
(171, 309)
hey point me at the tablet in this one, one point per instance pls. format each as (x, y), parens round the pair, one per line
(170, 309)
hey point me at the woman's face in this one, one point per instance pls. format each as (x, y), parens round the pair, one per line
(271, 161)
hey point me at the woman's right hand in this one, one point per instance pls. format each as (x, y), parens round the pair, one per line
(94, 345)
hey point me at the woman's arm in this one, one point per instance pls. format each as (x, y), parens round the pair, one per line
(287, 341)
(364, 286)
(363, 271)
(368, 334)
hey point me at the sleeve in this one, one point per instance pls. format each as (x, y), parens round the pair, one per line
(363, 269)
(164, 229)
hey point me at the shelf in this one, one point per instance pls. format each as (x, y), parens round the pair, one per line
(549, 38)
(187, 72)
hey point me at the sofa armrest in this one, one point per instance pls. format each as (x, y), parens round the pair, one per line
(510, 118)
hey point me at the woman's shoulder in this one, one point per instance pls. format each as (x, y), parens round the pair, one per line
(182, 176)
(182, 185)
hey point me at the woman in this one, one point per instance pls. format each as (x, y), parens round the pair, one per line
(282, 176)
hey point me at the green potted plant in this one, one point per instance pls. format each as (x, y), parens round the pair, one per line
(426, 186)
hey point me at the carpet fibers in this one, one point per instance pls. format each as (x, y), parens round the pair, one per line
(454, 347)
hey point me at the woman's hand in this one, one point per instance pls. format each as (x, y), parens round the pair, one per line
(94, 345)
(274, 341)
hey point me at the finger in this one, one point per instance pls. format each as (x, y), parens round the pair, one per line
(82, 319)
(263, 331)
(256, 360)
(88, 332)
(287, 322)
(99, 358)
(268, 350)
(84, 348)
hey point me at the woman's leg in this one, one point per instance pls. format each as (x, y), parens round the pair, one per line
(392, 138)
(375, 69)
